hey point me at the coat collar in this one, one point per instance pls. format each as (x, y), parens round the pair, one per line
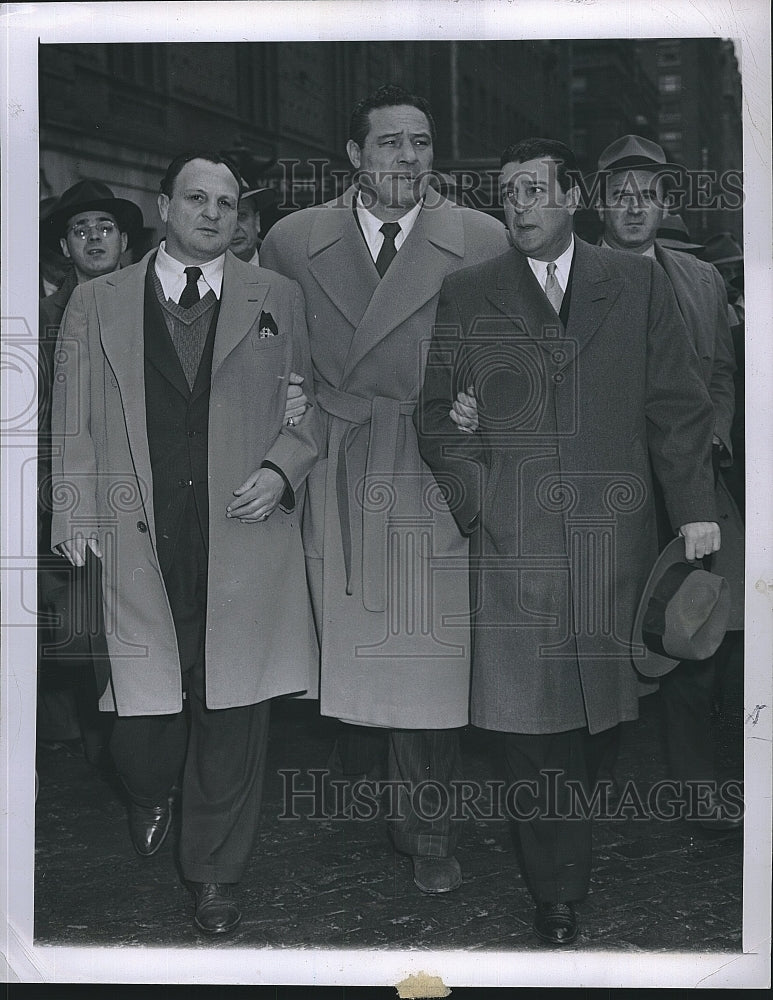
(594, 290)
(340, 261)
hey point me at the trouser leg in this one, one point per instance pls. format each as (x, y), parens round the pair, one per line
(420, 818)
(556, 847)
(686, 694)
(148, 752)
(222, 788)
(362, 749)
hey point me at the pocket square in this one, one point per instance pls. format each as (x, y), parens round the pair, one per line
(268, 327)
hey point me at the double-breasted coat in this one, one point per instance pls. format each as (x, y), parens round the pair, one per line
(702, 300)
(556, 483)
(387, 564)
(260, 638)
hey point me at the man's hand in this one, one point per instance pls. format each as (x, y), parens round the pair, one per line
(74, 549)
(464, 412)
(297, 402)
(257, 497)
(701, 538)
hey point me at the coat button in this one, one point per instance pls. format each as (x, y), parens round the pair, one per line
(558, 378)
(142, 527)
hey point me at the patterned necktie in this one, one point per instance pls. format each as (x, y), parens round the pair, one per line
(190, 295)
(388, 249)
(553, 289)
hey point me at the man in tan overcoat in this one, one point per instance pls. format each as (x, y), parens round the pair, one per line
(387, 564)
(177, 468)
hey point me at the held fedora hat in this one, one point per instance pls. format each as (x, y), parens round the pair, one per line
(683, 613)
(722, 248)
(88, 196)
(634, 152)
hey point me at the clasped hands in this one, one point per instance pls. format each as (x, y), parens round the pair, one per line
(701, 538)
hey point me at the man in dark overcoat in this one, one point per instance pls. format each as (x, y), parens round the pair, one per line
(387, 564)
(632, 176)
(582, 370)
(178, 469)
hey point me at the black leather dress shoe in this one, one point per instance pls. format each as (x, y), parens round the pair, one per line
(149, 825)
(216, 910)
(555, 923)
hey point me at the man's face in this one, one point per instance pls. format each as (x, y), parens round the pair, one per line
(634, 206)
(245, 241)
(94, 244)
(538, 213)
(200, 215)
(394, 161)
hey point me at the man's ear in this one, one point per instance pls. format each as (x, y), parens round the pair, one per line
(354, 153)
(64, 247)
(573, 198)
(163, 206)
(124, 242)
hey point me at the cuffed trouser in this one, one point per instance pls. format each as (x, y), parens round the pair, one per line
(555, 839)
(423, 763)
(222, 756)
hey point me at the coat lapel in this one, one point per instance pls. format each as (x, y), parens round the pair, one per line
(413, 278)
(243, 294)
(682, 276)
(594, 291)
(518, 296)
(340, 260)
(120, 312)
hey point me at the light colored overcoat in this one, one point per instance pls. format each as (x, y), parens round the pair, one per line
(387, 564)
(556, 484)
(260, 638)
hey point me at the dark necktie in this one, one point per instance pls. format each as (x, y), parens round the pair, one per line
(190, 295)
(388, 249)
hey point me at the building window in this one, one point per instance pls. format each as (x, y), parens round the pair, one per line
(579, 84)
(670, 138)
(670, 83)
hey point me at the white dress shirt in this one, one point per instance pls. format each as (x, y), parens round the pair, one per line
(563, 267)
(371, 227)
(171, 274)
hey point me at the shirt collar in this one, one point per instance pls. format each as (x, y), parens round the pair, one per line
(171, 274)
(371, 226)
(563, 266)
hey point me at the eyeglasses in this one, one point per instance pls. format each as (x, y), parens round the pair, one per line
(104, 229)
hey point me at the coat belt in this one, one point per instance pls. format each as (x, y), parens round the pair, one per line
(376, 491)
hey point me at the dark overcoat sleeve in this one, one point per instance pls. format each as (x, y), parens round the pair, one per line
(457, 460)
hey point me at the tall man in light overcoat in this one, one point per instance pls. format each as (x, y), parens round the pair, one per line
(178, 470)
(387, 564)
(581, 368)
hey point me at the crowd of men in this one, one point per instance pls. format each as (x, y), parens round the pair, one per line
(426, 468)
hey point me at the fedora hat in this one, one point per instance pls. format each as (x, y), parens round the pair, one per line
(262, 197)
(722, 248)
(683, 613)
(85, 196)
(674, 234)
(633, 152)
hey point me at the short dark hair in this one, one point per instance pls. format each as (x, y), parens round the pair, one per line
(551, 149)
(174, 168)
(388, 96)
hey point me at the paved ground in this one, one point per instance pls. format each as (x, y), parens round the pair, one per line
(337, 883)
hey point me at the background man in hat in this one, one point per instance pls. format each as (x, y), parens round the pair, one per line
(246, 241)
(169, 404)
(371, 264)
(674, 234)
(583, 372)
(92, 228)
(634, 202)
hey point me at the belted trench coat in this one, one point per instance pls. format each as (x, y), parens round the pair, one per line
(387, 565)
